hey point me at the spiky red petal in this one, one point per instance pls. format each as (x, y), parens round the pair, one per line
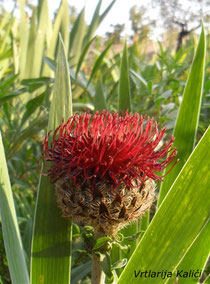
(107, 146)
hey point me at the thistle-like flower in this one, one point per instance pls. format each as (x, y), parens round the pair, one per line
(104, 167)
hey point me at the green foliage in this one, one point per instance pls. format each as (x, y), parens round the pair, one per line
(11, 234)
(102, 77)
(168, 239)
(100, 101)
(189, 112)
(124, 85)
(51, 244)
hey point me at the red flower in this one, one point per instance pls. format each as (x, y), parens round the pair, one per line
(107, 146)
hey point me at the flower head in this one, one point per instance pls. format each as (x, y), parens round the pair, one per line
(106, 156)
(107, 146)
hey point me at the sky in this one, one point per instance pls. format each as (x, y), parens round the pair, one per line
(119, 14)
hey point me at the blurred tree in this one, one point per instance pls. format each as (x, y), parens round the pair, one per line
(139, 23)
(186, 15)
(136, 15)
(116, 33)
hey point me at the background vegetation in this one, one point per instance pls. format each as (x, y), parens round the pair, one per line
(142, 76)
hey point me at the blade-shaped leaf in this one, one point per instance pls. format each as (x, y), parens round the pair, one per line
(94, 24)
(187, 121)
(32, 105)
(79, 272)
(124, 87)
(100, 101)
(7, 32)
(24, 32)
(51, 252)
(11, 234)
(76, 36)
(98, 62)
(196, 257)
(7, 83)
(187, 208)
(207, 280)
(31, 46)
(82, 56)
(185, 134)
(43, 18)
(12, 95)
(65, 24)
(39, 122)
(56, 29)
(62, 92)
(106, 11)
(96, 20)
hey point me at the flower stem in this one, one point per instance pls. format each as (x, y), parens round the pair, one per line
(98, 276)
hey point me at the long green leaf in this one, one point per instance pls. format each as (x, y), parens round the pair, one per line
(7, 83)
(180, 219)
(12, 95)
(187, 121)
(31, 46)
(207, 280)
(124, 86)
(196, 257)
(56, 29)
(93, 25)
(43, 18)
(100, 101)
(82, 56)
(62, 92)
(25, 134)
(4, 20)
(11, 234)
(46, 71)
(106, 11)
(96, 21)
(79, 272)
(51, 247)
(4, 40)
(185, 134)
(98, 62)
(24, 34)
(76, 37)
(65, 24)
